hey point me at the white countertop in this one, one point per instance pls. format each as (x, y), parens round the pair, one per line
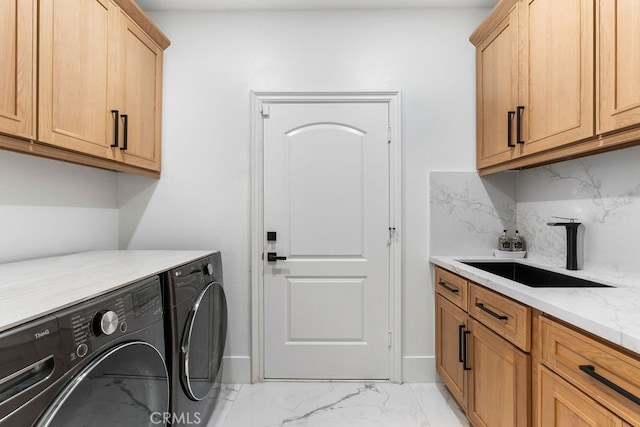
(34, 288)
(610, 313)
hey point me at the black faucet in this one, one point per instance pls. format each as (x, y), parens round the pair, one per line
(572, 240)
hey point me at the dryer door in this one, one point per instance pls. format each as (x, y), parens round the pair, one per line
(203, 344)
(127, 385)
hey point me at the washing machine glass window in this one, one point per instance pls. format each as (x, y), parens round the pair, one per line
(127, 385)
(203, 342)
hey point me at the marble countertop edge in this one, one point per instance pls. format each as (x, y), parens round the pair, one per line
(36, 288)
(609, 313)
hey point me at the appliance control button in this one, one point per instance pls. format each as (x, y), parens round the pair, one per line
(82, 350)
(207, 269)
(105, 322)
(123, 327)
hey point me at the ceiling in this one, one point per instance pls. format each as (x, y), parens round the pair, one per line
(164, 5)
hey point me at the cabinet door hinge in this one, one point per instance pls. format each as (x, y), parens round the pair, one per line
(389, 339)
(389, 134)
(265, 110)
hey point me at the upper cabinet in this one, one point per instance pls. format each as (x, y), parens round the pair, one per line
(77, 66)
(618, 65)
(556, 85)
(17, 68)
(497, 92)
(575, 81)
(99, 81)
(140, 82)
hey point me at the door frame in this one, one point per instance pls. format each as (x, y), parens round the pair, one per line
(260, 100)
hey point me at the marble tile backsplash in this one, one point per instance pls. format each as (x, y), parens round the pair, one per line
(468, 212)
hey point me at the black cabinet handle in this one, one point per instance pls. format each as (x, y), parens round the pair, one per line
(125, 122)
(460, 355)
(450, 289)
(591, 371)
(520, 109)
(491, 312)
(273, 257)
(116, 123)
(510, 115)
(464, 351)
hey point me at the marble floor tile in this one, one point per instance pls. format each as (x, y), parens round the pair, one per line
(337, 404)
(229, 393)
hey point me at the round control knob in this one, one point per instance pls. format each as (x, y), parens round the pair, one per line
(105, 322)
(207, 269)
(82, 350)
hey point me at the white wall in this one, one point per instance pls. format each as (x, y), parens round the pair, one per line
(216, 59)
(50, 208)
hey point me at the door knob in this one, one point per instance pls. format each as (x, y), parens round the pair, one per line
(273, 257)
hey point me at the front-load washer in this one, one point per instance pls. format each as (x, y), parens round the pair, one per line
(197, 325)
(98, 363)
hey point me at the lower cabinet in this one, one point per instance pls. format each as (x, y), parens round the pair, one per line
(560, 404)
(451, 323)
(487, 375)
(499, 380)
(508, 365)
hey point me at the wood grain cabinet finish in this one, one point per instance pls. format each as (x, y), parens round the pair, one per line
(499, 380)
(488, 375)
(77, 65)
(451, 324)
(99, 78)
(497, 93)
(604, 373)
(618, 65)
(141, 96)
(561, 405)
(452, 287)
(509, 318)
(578, 91)
(17, 68)
(556, 86)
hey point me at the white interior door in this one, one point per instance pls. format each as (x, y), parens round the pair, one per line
(326, 196)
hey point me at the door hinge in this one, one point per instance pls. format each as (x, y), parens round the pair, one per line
(389, 338)
(389, 134)
(265, 110)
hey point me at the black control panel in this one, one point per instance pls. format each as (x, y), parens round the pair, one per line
(87, 327)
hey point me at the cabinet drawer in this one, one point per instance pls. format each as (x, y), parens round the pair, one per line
(452, 287)
(506, 317)
(610, 376)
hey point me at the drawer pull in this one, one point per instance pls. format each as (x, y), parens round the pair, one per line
(591, 371)
(460, 355)
(464, 351)
(491, 312)
(450, 289)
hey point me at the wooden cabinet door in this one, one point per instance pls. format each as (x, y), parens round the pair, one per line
(499, 380)
(618, 61)
(561, 404)
(451, 322)
(17, 68)
(557, 79)
(497, 92)
(141, 86)
(77, 60)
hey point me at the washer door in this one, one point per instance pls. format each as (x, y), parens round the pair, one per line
(126, 386)
(203, 343)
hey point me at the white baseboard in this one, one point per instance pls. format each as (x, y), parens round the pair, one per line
(236, 370)
(415, 369)
(419, 369)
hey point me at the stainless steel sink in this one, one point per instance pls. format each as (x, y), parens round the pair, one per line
(533, 276)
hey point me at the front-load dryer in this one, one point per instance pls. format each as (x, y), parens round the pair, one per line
(197, 323)
(97, 363)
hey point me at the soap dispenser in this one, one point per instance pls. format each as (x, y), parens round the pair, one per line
(517, 243)
(504, 244)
